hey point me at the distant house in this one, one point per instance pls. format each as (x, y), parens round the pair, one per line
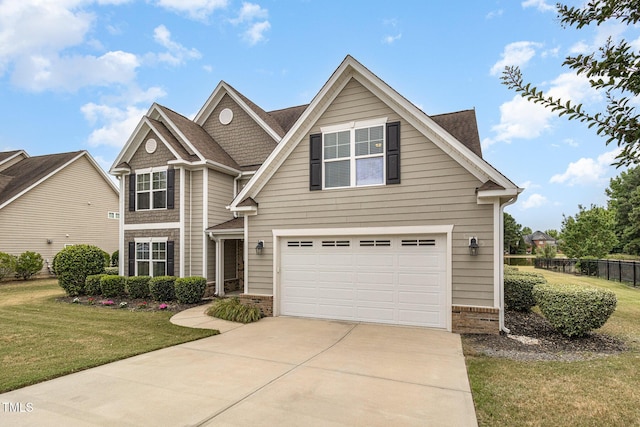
(358, 206)
(51, 201)
(539, 239)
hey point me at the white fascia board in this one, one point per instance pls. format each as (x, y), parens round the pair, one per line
(245, 210)
(199, 164)
(162, 139)
(128, 149)
(209, 104)
(284, 148)
(35, 184)
(177, 131)
(152, 226)
(365, 231)
(252, 114)
(488, 197)
(19, 153)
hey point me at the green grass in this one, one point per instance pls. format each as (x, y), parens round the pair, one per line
(600, 392)
(42, 338)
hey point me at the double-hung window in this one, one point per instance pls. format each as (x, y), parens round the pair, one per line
(354, 154)
(151, 258)
(151, 190)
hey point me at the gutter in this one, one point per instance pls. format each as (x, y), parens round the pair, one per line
(501, 274)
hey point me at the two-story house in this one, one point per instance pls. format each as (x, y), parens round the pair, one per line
(357, 206)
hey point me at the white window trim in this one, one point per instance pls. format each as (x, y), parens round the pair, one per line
(150, 240)
(150, 171)
(352, 127)
(113, 215)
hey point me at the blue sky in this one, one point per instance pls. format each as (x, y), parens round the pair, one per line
(79, 74)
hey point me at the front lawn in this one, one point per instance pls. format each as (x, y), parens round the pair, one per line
(603, 391)
(42, 338)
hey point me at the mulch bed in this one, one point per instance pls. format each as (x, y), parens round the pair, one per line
(531, 337)
(130, 304)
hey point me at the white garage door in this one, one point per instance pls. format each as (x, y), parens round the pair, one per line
(383, 279)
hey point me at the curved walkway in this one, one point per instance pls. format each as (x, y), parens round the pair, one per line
(196, 317)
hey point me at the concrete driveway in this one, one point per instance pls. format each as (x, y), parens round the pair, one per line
(278, 371)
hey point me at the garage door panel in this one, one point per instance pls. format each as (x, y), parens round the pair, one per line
(396, 280)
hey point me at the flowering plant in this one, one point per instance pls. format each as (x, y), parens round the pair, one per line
(107, 302)
(123, 304)
(76, 300)
(163, 306)
(143, 304)
(91, 301)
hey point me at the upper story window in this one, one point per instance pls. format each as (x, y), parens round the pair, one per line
(355, 154)
(152, 188)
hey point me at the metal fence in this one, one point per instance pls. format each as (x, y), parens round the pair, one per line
(621, 271)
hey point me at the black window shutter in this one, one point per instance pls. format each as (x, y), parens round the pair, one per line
(171, 180)
(132, 258)
(170, 262)
(315, 162)
(132, 192)
(393, 153)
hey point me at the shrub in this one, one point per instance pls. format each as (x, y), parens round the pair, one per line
(28, 264)
(588, 266)
(509, 269)
(525, 273)
(518, 290)
(137, 286)
(74, 263)
(575, 310)
(112, 286)
(115, 259)
(190, 290)
(7, 265)
(232, 309)
(162, 288)
(111, 270)
(92, 284)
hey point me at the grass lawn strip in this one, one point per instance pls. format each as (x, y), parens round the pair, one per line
(42, 338)
(598, 392)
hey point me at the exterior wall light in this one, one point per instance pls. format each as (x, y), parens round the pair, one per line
(473, 246)
(259, 247)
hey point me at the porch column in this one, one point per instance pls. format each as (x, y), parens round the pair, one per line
(220, 266)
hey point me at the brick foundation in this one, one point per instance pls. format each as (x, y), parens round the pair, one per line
(475, 320)
(264, 302)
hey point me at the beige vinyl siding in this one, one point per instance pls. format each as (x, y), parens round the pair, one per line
(71, 207)
(193, 224)
(187, 214)
(220, 195)
(435, 190)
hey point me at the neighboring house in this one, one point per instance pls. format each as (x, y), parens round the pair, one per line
(49, 202)
(357, 206)
(539, 239)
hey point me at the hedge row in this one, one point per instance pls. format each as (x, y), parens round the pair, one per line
(518, 289)
(187, 290)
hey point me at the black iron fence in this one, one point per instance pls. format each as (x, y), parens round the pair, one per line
(621, 271)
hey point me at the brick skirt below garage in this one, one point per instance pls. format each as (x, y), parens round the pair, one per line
(475, 320)
(263, 302)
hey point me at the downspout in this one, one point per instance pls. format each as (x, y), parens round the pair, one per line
(501, 264)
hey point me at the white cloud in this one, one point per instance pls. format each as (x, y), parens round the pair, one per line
(250, 12)
(494, 13)
(529, 185)
(391, 39)
(118, 123)
(541, 5)
(534, 201)
(176, 54)
(586, 170)
(255, 33)
(516, 53)
(195, 9)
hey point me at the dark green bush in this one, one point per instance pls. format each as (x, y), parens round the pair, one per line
(115, 259)
(518, 290)
(92, 284)
(74, 263)
(190, 290)
(28, 264)
(162, 288)
(137, 286)
(575, 310)
(112, 285)
(111, 270)
(588, 266)
(233, 310)
(7, 265)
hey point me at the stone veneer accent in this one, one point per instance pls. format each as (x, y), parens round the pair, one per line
(475, 320)
(263, 302)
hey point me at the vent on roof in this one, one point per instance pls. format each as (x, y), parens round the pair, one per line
(334, 243)
(299, 243)
(418, 242)
(375, 242)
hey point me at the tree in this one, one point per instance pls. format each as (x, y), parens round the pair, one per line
(614, 68)
(527, 230)
(512, 233)
(552, 233)
(589, 234)
(624, 201)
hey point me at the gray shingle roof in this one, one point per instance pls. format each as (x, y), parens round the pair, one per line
(27, 172)
(463, 126)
